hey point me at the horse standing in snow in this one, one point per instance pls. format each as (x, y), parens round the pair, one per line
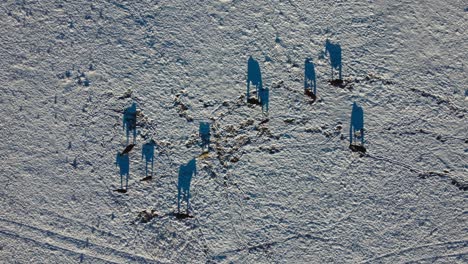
(254, 76)
(357, 125)
(334, 50)
(129, 121)
(186, 172)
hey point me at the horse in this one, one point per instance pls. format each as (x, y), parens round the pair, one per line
(309, 76)
(335, 56)
(357, 124)
(254, 76)
(186, 172)
(129, 120)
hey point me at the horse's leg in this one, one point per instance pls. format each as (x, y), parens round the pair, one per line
(134, 134)
(362, 136)
(351, 134)
(248, 89)
(332, 71)
(308, 84)
(152, 163)
(178, 200)
(258, 92)
(315, 87)
(126, 183)
(146, 168)
(128, 134)
(340, 72)
(188, 200)
(121, 181)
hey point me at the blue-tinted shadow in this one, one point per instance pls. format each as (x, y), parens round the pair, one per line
(254, 76)
(357, 125)
(264, 95)
(334, 51)
(129, 121)
(147, 152)
(310, 82)
(186, 172)
(123, 161)
(205, 134)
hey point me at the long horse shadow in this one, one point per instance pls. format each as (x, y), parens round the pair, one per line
(310, 82)
(356, 129)
(204, 131)
(123, 161)
(254, 77)
(264, 95)
(186, 172)
(147, 152)
(130, 121)
(334, 51)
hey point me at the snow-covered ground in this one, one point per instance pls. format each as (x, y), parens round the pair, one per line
(286, 191)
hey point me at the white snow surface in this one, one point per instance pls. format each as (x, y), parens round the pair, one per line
(297, 193)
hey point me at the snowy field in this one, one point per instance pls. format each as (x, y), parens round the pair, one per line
(286, 190)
